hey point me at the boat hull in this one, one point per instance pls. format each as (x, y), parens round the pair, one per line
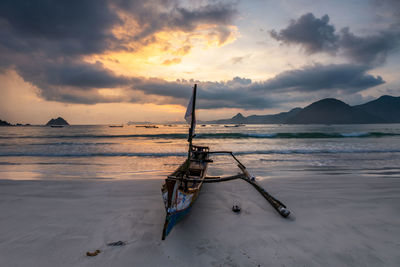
(179, 207)
(182, 188)
(172, 219)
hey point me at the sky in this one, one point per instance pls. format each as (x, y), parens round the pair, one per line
(103, 61)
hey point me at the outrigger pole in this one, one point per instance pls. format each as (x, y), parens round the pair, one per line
(275, 203)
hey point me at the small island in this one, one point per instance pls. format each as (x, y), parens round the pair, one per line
(60, 122)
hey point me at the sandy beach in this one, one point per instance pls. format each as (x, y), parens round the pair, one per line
(336, 221)
(104, 102)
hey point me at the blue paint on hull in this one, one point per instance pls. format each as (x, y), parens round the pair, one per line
(173, 219)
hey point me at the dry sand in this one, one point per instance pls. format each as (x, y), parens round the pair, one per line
(336, 221)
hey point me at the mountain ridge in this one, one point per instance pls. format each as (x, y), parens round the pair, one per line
(385, 109)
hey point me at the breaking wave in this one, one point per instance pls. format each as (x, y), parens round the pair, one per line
(302, 135)
(184, 154)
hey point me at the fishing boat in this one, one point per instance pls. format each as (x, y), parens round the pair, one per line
(236, 125)
(182, 187)
(146, 126)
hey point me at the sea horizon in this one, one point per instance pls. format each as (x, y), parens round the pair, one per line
(129, 152)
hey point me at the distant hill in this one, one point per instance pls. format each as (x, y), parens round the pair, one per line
(332, 111)
(258, 119)
(385, 109)
(272, 119)
(237, 119)
(58, 121)
(5, 123)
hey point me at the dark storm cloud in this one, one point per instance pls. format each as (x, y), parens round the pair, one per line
(58, 27)
(174, 17)
(345, 77)
(371, 50)
(341, 79)
(314, 34)
(89, 97)
(72, 73)
(236, 93)
(317, 35)
(84, 26)
(46, 42)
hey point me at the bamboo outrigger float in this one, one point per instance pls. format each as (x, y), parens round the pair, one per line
(182, 187)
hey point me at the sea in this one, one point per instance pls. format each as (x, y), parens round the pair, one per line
(131, 152)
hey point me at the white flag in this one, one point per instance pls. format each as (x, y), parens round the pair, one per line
(188, 114)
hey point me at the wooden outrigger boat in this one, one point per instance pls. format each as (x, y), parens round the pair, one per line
(182, 187)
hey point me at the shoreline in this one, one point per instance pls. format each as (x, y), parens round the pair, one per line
(336, 221)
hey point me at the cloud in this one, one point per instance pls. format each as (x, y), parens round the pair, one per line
(48, 43)
(171, 61)
(78, 74)
(68, 80)
(67, 27)
(343, 77)
(334, 79)
(86, 27)
(81, 28)
(314, 34)
(370, 50)
(239, 60)
(158, 15)
(185, 49)
(239, 92)
(317, 35)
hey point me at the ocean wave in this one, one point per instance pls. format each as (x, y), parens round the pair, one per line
(184, 154)
(355, 134)
(72, 144)
(89, 154)
(98, 136)
(300, 135)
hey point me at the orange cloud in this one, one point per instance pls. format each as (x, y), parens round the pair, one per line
(166, 49)
(172, 61)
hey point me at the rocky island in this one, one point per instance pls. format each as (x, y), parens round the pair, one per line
(57, 122)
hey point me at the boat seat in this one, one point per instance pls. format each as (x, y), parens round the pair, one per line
(195, 172)
(200, 146)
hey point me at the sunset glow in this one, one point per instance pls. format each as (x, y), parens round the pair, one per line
(143, 58)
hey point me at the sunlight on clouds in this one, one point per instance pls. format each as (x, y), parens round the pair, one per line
(167, 54)
(172, 61)
(138, 50)
(21, 103)
(110, 92)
